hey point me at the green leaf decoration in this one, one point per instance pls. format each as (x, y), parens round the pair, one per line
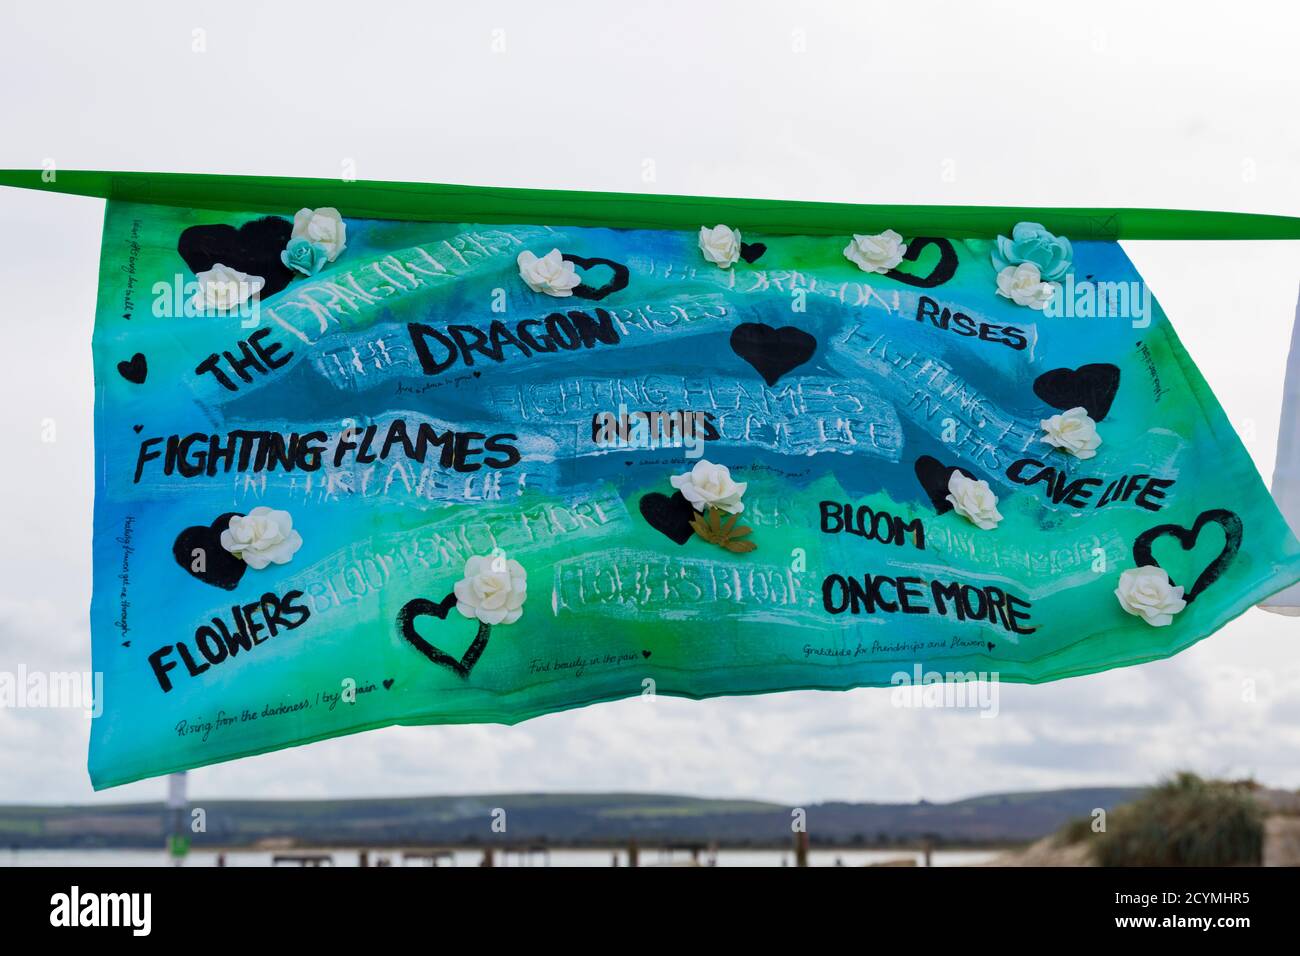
(724, 533)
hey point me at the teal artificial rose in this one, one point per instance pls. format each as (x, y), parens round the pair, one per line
(1030, 242)
(302, 255)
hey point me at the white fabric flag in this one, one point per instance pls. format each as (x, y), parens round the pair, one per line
(1286, 472)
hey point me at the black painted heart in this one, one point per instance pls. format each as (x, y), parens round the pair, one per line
(418, 608)
(135, 369)
(617, 280)
(198, 550)
(1186, 537)
(751, 252)
(934, 476)
(253, 248)
(772, 352)
(388, 684)
(1091, 387)
(944, 269)
(671, 515)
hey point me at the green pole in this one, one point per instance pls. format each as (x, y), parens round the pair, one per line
(439, 202)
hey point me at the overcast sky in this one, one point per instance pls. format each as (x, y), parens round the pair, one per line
(1032, 103)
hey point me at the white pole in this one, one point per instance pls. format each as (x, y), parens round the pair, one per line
(177, 801)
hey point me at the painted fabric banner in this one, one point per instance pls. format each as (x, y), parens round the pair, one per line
(357, 472)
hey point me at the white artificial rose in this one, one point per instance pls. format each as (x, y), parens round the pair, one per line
(974, 499)
(222, 288)
(493, 590)
(720, 245)
(878, 253)
(709, 485)
(1148, 593)
(1024, 285)
(263, 536)
(1073, 431)
(324, 227)
(551, 274)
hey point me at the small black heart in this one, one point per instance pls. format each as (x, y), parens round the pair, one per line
(137, 428)
(253, 248)
(772, 352)
(751, 252)
(421, 607)
(934, 476)
(126, 643)
(617, 281)
(992, 645)
(135, 370)
(221, 568)
(1232, 532)
(1091, 387)
(670, 516)
(645, 654)
(388, 684)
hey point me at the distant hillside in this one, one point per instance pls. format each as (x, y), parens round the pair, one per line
(561, 819)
